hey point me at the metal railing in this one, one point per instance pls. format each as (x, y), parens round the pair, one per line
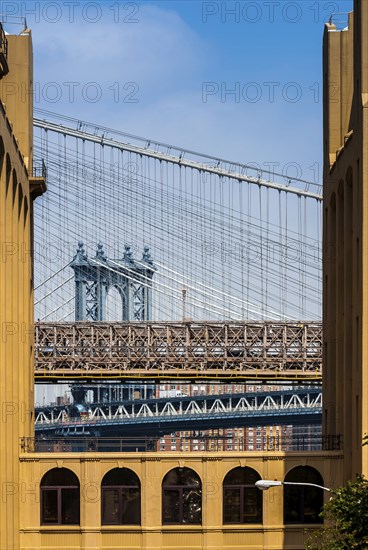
(39, 169)
(201, 444)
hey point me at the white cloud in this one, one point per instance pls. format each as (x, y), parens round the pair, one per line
(164, 59)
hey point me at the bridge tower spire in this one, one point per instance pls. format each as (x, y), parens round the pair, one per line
(95, 277)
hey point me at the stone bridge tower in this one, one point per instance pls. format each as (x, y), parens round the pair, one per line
(94, 277)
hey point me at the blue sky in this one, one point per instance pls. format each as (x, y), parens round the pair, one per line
(166, 70)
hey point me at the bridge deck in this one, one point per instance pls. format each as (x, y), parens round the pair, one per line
(262, 351)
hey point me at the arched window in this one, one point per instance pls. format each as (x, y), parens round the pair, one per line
(303, 504)
(242, 501)
(2, 156)
(15, 185)
(8, 170)
(60, 498)
(25, 211)
(121, 498)
(181, 497)
(20, 199)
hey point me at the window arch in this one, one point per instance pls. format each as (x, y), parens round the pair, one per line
(303, 504)
(2, 156)
(15, 185)
(242, 501)
(20, 200)
(8, 170)
(120, 498)
(25, 211)
(181, 497)
(60, 495)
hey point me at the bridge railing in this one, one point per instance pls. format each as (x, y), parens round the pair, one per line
(191, 443)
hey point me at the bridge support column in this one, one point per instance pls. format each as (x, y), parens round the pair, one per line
(95, 277)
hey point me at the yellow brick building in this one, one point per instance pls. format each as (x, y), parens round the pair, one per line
(345, 253)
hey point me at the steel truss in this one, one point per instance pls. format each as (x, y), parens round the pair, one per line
(184, 351)
(220, 406)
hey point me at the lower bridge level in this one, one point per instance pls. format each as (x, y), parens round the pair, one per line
(154, 416)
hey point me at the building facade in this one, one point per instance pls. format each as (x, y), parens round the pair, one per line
(18, 188)
(345, 243)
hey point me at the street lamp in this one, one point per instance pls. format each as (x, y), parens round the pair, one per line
(265, 484)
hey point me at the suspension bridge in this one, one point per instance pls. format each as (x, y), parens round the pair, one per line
(230, 268)
(227, 242)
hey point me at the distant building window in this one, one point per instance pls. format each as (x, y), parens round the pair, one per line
(181, 497)
(242, 501)
(60, 496)
(121, 498)
(303, 504)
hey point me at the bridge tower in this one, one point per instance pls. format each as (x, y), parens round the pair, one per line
(94, 277)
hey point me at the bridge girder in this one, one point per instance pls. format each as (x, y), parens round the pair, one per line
(241, 351)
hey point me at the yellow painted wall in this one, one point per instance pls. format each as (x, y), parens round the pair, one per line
(151, 469)
(345, 246)
(16, 288)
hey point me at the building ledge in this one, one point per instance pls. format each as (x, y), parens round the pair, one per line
(334, 157)
(37, 186)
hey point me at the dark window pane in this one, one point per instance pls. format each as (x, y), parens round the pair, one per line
(304, 474)
(303, 504)
(293, 504)
(231, 505)
(49, 513)
(121, 476)
(313, 502)
(110, 507)
(252, 498)
(181, 476)
(242, 500)
(192, 506)
(59, 477)
(241, 476)
(170, 506)
(131, 507)
(70, 506)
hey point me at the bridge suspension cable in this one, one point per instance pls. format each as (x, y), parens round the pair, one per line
(241, 247)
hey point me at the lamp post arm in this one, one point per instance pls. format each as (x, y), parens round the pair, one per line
(308, 484)
(265, 484)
